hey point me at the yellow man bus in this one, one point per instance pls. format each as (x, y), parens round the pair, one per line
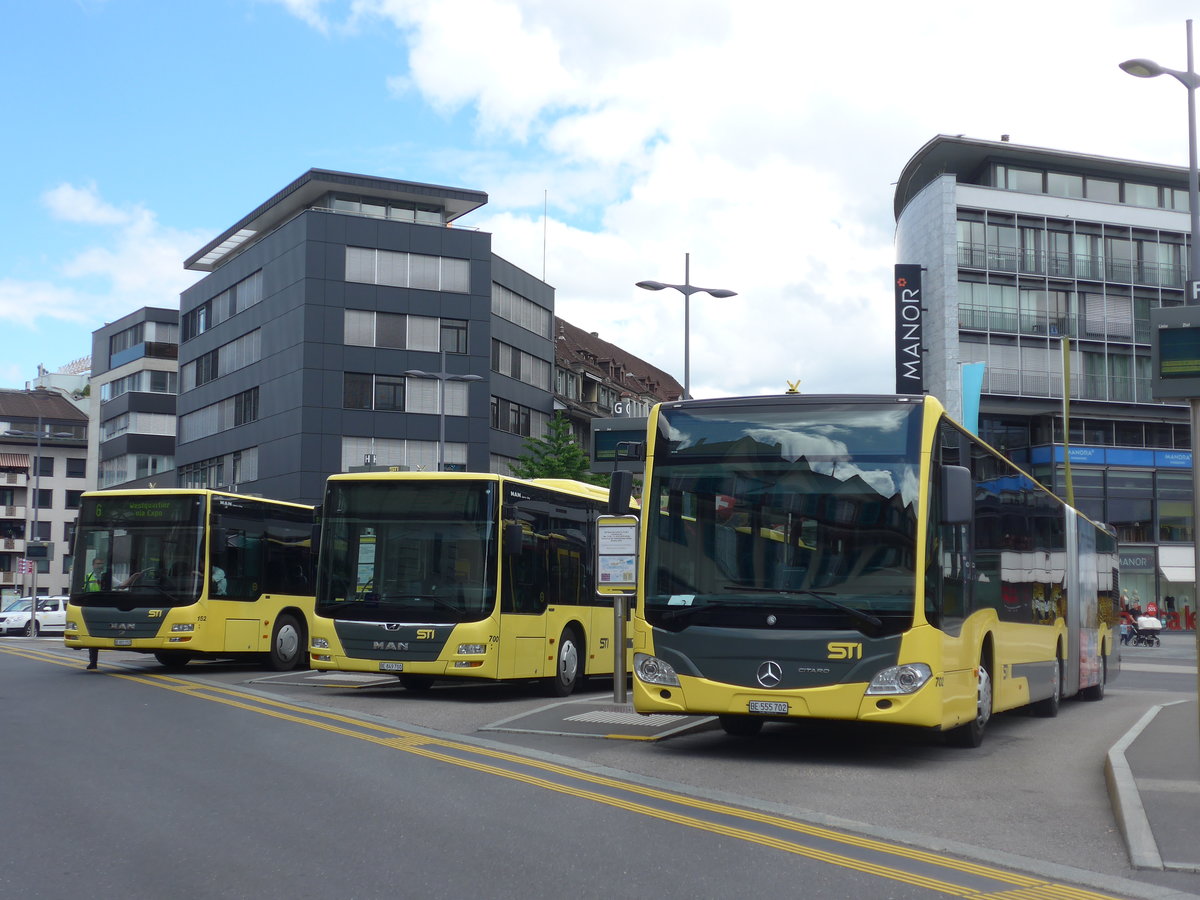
(460, 575)
(859, 558)
(192, 574)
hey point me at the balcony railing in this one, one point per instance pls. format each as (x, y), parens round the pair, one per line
(985, 318)
(1069, 265)
(12, 512)
(14, 479)
(1019, 382)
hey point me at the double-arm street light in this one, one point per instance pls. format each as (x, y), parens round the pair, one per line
(1148, 68)
(442, 377)
(687, 289)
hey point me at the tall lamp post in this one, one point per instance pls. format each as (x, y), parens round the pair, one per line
(1147, 68)
(687, 289)
(442, 377)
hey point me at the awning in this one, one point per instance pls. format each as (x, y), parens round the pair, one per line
(14, 460)
(1177, 564)
(1178, 574)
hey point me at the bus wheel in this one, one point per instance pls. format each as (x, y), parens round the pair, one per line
(418, 684)
(287, 644)
(971, 734)
(569, 666)
(33, 628)
(741, 726)
(1048, 707)
(171, 659)
(1096, 691)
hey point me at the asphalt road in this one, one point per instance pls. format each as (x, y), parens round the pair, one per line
(105, 765)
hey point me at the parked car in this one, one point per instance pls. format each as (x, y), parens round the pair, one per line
(51, 616)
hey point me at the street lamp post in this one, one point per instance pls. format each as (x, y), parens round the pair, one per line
(442, 377)
(1147, 68)
(687, 289)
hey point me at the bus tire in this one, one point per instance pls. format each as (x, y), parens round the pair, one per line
(1047, 708)
(741, 726)
(287, 644)
(971, 734)
(568, 664)
(418, 684)
(1095, 692)
(33, 628)
(171, 659)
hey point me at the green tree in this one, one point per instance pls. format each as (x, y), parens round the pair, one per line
(557, 455)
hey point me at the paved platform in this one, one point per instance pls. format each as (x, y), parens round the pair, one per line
(1153, 776)
(599, 717)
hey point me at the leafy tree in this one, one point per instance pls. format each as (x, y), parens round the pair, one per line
(557, 455)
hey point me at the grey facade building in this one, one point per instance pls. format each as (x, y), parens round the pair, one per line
(133, 386)
(294, 348)
(1026, 250)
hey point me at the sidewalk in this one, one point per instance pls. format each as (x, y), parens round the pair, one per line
(1153, 776)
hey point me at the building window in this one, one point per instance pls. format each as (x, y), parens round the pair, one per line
(516, 363)
(76, 467)
(512, 307)
(228, 303)
(366, 265)
(517, 419)
(389, 393)
(43, 498)
(237, 354)
(73, 499)
(357, 390)
(45, 466)
(223, 415)
(397, 331)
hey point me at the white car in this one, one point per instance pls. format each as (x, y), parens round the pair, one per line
(51, 616)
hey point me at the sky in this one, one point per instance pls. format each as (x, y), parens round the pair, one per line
(762, 138)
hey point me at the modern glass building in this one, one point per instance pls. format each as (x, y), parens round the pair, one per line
(1033, 256)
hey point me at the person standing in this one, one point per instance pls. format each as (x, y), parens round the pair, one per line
(96, 580)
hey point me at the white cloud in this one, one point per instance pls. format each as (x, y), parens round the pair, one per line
(763, 137)
(82, 204)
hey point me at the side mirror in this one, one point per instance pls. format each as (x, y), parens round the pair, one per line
(620, 491)
(958, 495)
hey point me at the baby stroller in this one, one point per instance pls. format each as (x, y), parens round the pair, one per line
(1145, 637)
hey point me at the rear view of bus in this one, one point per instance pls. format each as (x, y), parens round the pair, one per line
(187, 575)
(863, 559)
(460, 575)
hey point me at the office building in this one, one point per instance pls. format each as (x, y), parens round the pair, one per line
(1025, 250)
(332, 331)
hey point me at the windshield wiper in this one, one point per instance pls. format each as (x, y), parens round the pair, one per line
(823, 596)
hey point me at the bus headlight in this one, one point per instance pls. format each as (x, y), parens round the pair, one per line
(320, 643)
(471, 649)
(653, 670)
(900, 679)
(184, 626)
(71, 626)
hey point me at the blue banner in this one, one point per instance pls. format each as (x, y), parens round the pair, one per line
(972, 387)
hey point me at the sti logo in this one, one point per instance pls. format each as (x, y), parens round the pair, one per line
(426, 634)
(844, 650)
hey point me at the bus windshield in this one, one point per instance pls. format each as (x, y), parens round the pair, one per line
(139, 551)
(787, 515)
(408, 550)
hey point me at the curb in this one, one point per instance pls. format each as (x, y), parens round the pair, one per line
(1127, 802)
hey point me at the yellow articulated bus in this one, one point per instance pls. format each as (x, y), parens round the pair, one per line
(859, 558)
(192, 574)
(461, 575)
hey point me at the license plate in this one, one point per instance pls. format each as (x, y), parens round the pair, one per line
(769, 707)
(123, 642)
(391, 667)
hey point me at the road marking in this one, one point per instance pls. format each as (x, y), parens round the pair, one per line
(930, 870)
